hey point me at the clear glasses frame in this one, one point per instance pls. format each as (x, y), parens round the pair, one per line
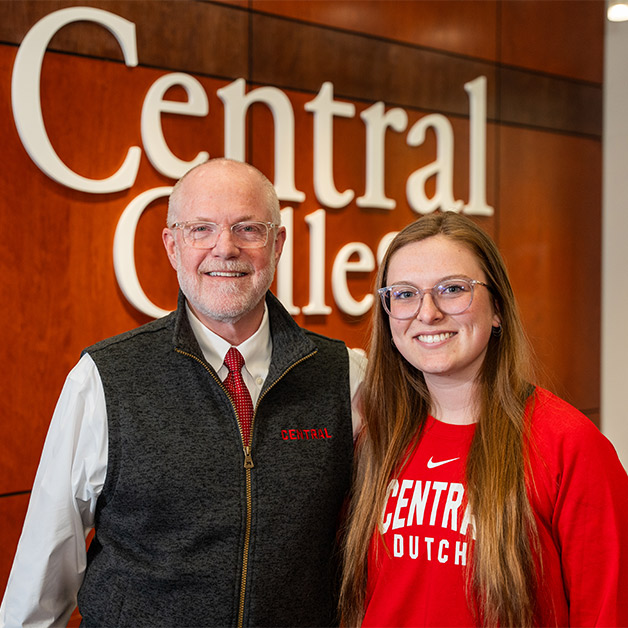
(450, 296)
(248, 234)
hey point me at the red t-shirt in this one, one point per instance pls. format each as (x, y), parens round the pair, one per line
(580, 500)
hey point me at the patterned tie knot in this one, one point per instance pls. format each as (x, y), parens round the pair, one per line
(234, 360)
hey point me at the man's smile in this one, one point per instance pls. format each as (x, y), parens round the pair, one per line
(225, 273)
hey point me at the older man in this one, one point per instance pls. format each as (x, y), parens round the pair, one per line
(210, 449)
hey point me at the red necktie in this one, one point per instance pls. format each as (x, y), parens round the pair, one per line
(239, 392)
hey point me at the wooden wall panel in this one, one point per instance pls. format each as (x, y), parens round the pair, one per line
(458, 26)
(361, 67)
(188, 35)
(544, 101)
(306, 57)
(550, 235)
(562, 37)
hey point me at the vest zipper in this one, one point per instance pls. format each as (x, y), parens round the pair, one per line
(248, 465)
(247, 540)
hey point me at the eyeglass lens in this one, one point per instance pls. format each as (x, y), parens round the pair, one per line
(204, 235)
(450, 297)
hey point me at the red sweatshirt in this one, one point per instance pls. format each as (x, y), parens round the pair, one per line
(579, 496)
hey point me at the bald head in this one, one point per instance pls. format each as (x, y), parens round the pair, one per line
(221, 172)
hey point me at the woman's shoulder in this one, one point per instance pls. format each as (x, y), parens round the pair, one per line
(559, 426)
(554, 412)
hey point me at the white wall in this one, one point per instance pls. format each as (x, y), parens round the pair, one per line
(614, 393)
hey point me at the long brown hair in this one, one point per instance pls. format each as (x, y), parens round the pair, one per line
(501, 581)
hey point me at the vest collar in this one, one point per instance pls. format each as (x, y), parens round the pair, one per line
(290, 343)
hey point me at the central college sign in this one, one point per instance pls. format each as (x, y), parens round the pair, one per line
(27, 113)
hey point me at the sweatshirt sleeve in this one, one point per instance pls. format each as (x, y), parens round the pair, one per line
(589, 520)
(50, 560)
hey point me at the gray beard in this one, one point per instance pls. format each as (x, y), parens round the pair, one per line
(229, 303)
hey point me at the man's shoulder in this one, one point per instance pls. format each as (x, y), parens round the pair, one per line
(322, 340)
(138, 334)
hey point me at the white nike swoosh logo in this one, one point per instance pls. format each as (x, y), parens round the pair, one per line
(432, 465)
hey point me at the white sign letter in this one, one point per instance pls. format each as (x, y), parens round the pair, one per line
(324, 107)
(477, 149)
(124, 252)
(383, 245)
(153, 139)
(236, 105)
(316, 224)
(26, 98)
(364, 264)
(286, 264)
(442, 168)
(377, 121)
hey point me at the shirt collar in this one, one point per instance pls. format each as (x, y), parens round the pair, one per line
(256, 350)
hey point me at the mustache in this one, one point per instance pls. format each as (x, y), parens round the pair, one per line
(232, 266)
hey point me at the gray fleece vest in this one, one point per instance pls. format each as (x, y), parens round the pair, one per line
(186, 534)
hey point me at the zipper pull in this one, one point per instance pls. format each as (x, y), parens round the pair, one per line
(248, 461)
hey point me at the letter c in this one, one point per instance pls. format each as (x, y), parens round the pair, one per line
(391, 491)
(26, 98)
(124, 252)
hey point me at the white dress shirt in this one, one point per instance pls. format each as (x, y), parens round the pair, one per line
(51, 558)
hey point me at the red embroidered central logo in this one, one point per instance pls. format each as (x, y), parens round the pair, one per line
(311, 434)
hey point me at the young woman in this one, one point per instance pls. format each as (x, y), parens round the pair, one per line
(480, 499)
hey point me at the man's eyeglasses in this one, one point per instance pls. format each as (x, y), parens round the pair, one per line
(451, 296)
(245, 235)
